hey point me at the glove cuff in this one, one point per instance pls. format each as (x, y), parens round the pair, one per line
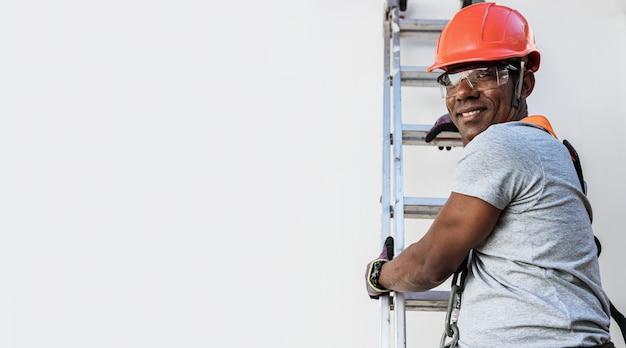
(374, 273)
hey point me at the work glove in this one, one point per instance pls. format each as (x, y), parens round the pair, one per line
(443, 124)
(372, 272)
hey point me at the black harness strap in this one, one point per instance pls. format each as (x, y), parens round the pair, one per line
(617, 315)
(619, 319)
(577, 165)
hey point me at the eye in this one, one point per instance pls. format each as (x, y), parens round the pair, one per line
(485, 74)
(444, 80)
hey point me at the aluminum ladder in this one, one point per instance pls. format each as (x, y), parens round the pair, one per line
(395, 206)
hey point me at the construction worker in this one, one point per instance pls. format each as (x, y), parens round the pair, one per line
(517, 210)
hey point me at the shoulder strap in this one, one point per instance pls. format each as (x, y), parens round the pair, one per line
(577, 165)
(540, 121)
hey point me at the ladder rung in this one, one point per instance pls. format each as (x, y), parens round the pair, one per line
(427, 301)
(426, 28)
(421, 207)
(414, 134)
(418, 76)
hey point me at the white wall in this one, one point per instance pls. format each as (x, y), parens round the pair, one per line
(195, 174)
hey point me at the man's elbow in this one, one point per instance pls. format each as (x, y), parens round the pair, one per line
(436, 274)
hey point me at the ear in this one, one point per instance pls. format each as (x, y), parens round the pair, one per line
(528, 85)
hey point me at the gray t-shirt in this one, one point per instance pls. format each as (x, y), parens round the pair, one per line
(535, 281)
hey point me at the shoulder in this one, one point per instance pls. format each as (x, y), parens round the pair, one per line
(515, 130)
(507, 152)
(501, 163)
(517, 137)
(500, 138)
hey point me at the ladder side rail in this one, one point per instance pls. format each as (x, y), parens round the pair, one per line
(385, 303)
(399, 303)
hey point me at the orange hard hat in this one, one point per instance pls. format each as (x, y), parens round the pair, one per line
(485, 32)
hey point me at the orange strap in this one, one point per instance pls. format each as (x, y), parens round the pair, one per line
(540, 121)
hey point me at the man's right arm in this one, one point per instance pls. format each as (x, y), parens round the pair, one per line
(463, 222)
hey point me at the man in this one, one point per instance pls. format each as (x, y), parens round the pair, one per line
(533, 278)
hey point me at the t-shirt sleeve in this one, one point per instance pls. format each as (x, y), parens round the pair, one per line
(499, 170)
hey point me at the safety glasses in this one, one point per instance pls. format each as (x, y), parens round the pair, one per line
(479, 79)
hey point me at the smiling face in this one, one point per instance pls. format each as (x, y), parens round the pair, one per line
(473, 111)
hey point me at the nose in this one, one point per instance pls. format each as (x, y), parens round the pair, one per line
(465, 90)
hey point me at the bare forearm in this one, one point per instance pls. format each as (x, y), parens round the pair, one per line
(409, 272)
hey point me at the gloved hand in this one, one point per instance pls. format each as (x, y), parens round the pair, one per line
(443, 124)
(372, 272)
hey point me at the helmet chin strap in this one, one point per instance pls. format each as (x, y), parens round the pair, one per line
(518, 87)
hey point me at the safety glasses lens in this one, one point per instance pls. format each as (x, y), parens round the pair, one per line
(479, 79)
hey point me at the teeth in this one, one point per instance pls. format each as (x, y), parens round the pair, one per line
(474, 112)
